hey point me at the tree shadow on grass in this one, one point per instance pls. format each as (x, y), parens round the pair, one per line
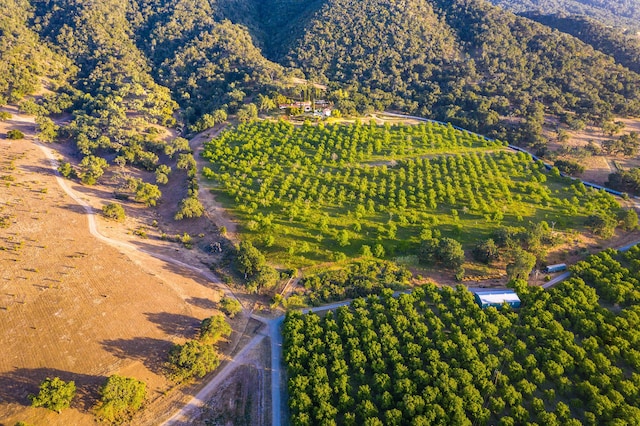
(152, 353)
(17, 385)
(201, 302)
(177, 325)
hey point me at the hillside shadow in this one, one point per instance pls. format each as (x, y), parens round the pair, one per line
(26, 128)
(174, 324)
(17, 385)
(201, 302)
(152, 353)
(42, 168)
(75, 208)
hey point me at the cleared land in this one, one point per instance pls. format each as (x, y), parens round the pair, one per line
(597, 167)
(75, 307)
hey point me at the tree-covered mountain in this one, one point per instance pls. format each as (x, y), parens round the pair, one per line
(619, 13)
(25, 61)
(623, 48)
(464, 61)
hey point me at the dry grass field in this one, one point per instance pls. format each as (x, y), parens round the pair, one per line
(77, 307)
(597, 168)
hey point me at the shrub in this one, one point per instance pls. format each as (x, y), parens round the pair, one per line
(15, 134)
(55, 394)
(4, 116)
(569, 167)
(120, 397)
(66, 170)
(114, 211)
(230, 306)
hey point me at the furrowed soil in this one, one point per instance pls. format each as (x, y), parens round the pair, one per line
(79, 308)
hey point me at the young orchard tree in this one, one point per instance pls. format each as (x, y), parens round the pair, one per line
(230, 306)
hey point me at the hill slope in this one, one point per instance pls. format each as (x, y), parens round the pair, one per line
(463, 61)
(620, 13)
(624, 49)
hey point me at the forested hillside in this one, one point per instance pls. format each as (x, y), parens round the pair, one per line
(463, 61)
(624, 49)
(121, 66)
(26, 61)
(619, 13)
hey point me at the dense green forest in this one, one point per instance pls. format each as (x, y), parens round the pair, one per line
(461, 61)
(26, 61)
(568, 356)
(317, 193)
(468, 62)
(623, 48)
(619, 13)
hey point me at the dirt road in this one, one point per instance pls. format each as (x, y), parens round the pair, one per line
(126, 248)
(190, 411)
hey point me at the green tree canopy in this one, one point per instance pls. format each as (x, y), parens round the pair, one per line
(249, 260)
(114, 211)
(120, 397)
(91, 169)
(55, 394)
(230, 306)
(213, 329)
(189, 207)
(486, 251)
(193, 359)
(15, 134)
(521, 265)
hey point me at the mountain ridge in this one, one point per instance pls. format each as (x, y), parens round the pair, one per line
(464, 61)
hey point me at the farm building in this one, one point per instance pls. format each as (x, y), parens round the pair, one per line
(557, 268)
(496, 298)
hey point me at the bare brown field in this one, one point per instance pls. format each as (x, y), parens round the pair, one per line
(76, 307)
(597, 167)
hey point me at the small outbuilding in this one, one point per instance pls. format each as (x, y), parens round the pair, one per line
(496, 298)
(557, 268)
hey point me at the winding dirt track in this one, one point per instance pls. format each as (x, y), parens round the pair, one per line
(121, 245)
(188, 411)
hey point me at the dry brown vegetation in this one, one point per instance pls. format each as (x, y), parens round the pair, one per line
(597, 167)
(76, 307)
